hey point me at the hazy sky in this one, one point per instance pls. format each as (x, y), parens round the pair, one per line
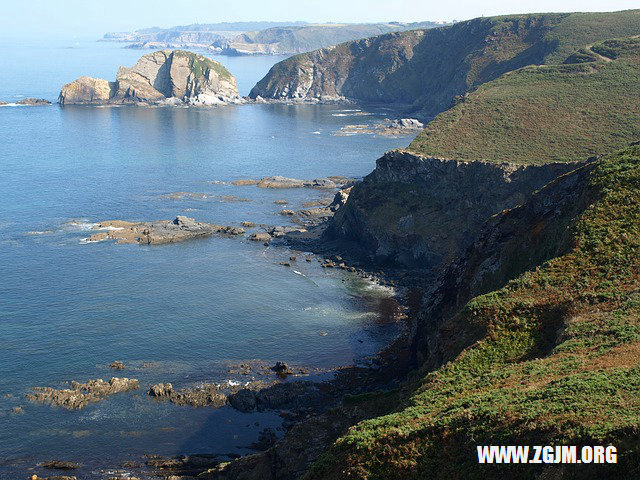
(89, 17)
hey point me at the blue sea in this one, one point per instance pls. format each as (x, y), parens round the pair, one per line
(176, 313)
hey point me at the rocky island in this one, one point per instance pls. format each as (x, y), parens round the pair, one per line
(166, 77)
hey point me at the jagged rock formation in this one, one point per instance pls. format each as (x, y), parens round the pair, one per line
(167, 76)
(82, 394)
(424, 71)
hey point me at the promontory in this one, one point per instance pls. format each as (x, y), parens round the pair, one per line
(170, 77)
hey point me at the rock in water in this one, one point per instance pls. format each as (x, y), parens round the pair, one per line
(87, 90)
(163, 231)
(33, 102)
(162, 77)
(82, 394)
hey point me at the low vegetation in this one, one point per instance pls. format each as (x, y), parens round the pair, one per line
(541, 114)
(558, 362)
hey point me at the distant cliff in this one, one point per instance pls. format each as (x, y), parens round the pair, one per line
(251, 38)
(161, 77)
(427, 70)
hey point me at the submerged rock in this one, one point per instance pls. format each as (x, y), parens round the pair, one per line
(117, 365)
(164, 231)
(162, 77)
(82, 394)
(280, 182)
(60, 465)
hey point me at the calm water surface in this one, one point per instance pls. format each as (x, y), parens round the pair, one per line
(67, 308)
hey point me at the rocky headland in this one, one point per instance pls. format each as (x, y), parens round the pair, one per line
(166, 77)
(423, 72)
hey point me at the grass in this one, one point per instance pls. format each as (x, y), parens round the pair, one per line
(202, 65)
(541, 114)
(558, 362)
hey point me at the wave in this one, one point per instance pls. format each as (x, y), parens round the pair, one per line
(355, 114)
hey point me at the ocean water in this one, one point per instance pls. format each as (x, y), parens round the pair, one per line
(173, 313)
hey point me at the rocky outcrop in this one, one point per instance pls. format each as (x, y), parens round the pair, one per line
(420, 212)
(33, 102)
(278, 181)
(163, 231)
(206, 395)
(162, 77)
(88, 90)
(82, 394)
(425, 71)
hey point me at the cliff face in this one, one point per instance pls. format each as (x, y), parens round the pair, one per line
(427, 69)
(421, 212)
(159, 77)
(266, 38)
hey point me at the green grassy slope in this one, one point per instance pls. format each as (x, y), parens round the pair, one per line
(557, 362)
(427, 69)
(546, 113)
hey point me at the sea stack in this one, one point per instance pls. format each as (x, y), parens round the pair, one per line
(162, 77)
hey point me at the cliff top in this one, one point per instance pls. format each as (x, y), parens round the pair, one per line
(549, 113)
(556, 361)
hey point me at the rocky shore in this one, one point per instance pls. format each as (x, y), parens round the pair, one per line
(163, 231)
(79, 395)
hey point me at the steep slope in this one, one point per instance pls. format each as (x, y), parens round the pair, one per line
(427, 69)
(422, 207)
(550, 358)
(546, 113)
(422, 212)
(159, 77)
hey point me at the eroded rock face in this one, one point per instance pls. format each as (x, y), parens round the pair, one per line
(420, 212)
(163, 231)
(87, 90)
(82, 394)
(166, 76)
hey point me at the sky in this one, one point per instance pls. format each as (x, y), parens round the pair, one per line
(75, 18)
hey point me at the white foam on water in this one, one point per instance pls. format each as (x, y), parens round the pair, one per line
(355, 114)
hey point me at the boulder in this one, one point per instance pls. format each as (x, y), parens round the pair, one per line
(260, 237)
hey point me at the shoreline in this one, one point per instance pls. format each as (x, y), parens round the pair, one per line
(380, 371)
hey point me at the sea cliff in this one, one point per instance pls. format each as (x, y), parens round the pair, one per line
(162, 77)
